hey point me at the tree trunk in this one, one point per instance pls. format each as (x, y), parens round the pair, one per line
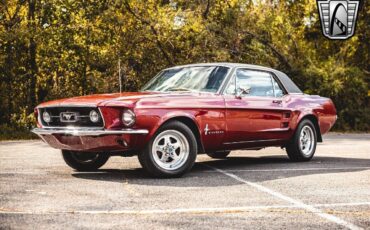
(32, 56)
(9, 79)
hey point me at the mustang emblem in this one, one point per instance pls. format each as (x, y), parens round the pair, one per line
(68, 117)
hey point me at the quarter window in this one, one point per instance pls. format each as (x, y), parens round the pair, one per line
(277, 88)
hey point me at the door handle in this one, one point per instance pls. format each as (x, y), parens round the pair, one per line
(277, 101)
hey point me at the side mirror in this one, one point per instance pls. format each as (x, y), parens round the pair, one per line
(241, 91)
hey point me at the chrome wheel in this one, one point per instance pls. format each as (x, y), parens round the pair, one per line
(306, 140)
(170, 150)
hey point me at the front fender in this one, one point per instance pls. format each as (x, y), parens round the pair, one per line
(195, 119)
(172, 115)
(153, 119)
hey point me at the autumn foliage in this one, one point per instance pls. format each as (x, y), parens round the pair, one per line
(53, 49)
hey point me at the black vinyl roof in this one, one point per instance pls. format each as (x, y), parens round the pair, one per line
(289, 85)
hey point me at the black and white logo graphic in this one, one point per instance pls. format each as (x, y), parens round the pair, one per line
(338, 17)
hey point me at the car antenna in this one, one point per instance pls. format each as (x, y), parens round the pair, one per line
(119, 75)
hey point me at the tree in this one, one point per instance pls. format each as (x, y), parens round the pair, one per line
(61, 48)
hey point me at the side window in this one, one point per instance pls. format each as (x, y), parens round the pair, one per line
(254, 83)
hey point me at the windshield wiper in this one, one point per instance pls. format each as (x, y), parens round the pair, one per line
(179, 89)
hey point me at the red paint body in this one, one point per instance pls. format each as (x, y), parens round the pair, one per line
(232, 123)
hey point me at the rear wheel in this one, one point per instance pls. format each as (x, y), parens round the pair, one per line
(302, 147)
(171, 152)
(219, 155)
(84, 161)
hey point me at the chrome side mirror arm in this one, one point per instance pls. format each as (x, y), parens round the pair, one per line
(241, 91)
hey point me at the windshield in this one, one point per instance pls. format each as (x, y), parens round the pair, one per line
(196, 78)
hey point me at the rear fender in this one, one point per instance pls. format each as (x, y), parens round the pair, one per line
(313, 118)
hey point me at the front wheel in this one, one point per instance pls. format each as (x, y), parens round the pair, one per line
(302, 147)
(84, 161)
(171, 152)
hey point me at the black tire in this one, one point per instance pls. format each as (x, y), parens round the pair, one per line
(148, 162)
(294, 149)
(219, 155)
(84, 161)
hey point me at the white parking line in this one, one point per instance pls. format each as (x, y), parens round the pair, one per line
(295, 202)
(288, 169)
(178, 210)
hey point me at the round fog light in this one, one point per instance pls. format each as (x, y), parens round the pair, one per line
(94, 116)
(46, 117)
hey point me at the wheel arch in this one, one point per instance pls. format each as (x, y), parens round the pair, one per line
(315, 122)
(192, 124)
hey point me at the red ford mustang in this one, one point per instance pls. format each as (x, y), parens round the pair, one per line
(186, 110)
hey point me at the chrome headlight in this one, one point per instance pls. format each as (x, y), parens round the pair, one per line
(94, 116)
(46, 117)
(128, 117)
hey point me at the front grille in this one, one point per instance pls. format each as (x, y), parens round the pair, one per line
(70, 116)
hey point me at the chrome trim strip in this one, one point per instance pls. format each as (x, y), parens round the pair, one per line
(86, 131)
(68, 105)
(102, 117)
(256, 141)
(276, 129)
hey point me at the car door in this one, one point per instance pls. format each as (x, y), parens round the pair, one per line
(255, 108)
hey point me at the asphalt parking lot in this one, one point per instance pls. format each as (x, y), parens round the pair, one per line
(249, 190)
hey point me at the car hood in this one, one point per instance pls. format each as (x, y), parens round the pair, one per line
(114, 99)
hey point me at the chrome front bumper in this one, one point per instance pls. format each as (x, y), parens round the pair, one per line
(86, 131)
